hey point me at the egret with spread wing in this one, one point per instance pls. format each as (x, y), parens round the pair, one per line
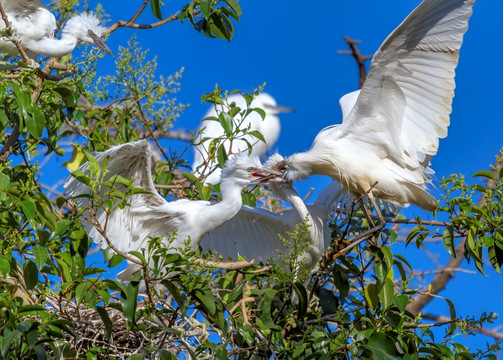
(149, 214)
(269, 127)
(253, 232)
(35, 26)
(391, 128)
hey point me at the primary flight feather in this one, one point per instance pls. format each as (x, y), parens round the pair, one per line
(391, 128)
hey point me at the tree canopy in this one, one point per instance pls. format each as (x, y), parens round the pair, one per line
(58, 301)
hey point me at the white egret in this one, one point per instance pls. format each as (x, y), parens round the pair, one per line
(391, 128)
(35, 25)
(149, 214)
(253, 232)
(269, 127)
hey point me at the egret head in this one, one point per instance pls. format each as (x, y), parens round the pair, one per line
(279, 184)
(269, 105)
(289, 168)
(245, 170)
(86, 27)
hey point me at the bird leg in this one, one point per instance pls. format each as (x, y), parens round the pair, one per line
(373, 228)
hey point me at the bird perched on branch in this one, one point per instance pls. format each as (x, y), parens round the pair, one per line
(269, 127)
(254, 232)
(391, 128)
(149, 214)
(34, 27)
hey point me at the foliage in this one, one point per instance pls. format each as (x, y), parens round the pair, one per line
(57, 301)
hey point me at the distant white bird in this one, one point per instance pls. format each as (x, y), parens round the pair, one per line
(35, 25)
(391, 128)
(269, 127)
(253, 232)
(150, 215)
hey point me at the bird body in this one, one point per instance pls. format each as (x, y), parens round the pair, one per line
(254, 232)
(269, 127)
(391, 128)
(35, 26)
(149, 214)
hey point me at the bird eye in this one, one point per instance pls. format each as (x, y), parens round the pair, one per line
(89, 32)
(251, 169)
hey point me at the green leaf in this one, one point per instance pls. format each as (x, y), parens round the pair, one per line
(452, 311)
(8, 341)
(225, 121)
(40, 253)
(35, 123)
(4, 181)
(493, 257)
(401, 302)
(387, 294)
(82, 177)
(257, 134)
(382, 347)
(448, 240)
(106, 321)
(265, 305)
(221, 156)
(388, 256)
(485, 173)
(155, 5)
(234, 6)
(30, 274)
(301, 293)
(472, 247)
(28, 208)
(372, 295)
(177, 295)
(260, 112)
(31, 308)
(205, 8)
(4, 267)
(129, 301)
(61, 227)
(381, 272)
(80, 291)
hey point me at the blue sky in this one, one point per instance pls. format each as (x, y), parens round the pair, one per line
(292, 46)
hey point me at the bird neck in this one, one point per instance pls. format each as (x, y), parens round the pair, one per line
(230, 205)
(331, 194)
(303, 165)
(297, 203)
(53, 47)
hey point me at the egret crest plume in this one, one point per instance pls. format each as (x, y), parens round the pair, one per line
(35, 26)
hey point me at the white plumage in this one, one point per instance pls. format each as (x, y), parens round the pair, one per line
(253, 232)
(269, 127)
(150, 215)
(391, 128)
(35, 26)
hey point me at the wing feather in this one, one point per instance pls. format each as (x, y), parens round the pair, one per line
(252, 233)
(418, 62)
(147, 215)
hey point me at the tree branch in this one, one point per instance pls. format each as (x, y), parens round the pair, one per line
(360, 59)
(442, 278)
(445, 320)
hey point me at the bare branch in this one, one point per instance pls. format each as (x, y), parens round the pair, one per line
(360, 59)
(225, 265)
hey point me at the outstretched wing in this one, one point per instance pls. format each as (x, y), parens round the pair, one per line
(147, 215)
(252, 233)
(405, 103)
